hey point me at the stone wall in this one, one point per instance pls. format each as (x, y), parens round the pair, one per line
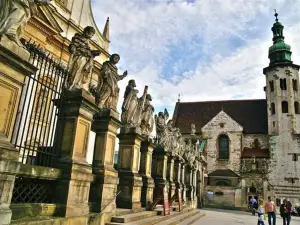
(248, 140)
(221, 197)
(223, 124)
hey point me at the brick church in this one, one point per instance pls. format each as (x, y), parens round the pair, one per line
(252, 146)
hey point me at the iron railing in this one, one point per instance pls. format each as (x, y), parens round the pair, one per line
(35, 127)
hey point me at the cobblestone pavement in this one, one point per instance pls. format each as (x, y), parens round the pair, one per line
(228, 217)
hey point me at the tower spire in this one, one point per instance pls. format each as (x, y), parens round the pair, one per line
(279, 52)
(106, 29)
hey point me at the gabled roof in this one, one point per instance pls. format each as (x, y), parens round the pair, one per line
(223, 173)
(250, 114)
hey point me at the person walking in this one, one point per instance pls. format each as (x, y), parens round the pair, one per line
(252, 204)
(285, 212)
(260, 212)
(270, 208)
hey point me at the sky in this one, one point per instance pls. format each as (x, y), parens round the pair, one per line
(201, 49)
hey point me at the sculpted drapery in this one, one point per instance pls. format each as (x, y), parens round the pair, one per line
(147, 116)
(130, 104)
(107, 92)
(14, 15)
(81, 59)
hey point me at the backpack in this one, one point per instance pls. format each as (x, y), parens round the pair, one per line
(282, 211)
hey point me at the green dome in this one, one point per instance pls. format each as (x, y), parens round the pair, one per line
(279, 46)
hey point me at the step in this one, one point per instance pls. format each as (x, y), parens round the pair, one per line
(133, 217)
(179, 218)
(192, 219)
(153, 220)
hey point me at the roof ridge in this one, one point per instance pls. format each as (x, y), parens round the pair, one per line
(229, 100)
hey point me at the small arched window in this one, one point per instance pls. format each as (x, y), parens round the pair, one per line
(223, 147)
(296, 104)
(283, 84)
(295, 85)
(273, 108)
(284, 107)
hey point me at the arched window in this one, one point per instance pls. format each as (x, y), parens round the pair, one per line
(284, 107)
(273, 108)
(295, 85)
(223, 147)
(296, 104)
(283, 84)
(271, 86)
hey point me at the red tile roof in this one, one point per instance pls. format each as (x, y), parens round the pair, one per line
(251, 114)
(257, 152)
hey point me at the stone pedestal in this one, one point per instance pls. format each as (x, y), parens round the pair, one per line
(170, 175)
(74, 186)
(104, 187)
(182, 180)
(159, 173)
(145, 171)
(14, 67)
(130, 182)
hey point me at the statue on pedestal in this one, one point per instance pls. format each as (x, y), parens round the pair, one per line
(14, 15)
(147, 116)
(81, 60)
(107, 92)
(160, 122)
(130, 103)
(189, 153)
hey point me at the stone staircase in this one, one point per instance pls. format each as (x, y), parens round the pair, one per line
(186, 217)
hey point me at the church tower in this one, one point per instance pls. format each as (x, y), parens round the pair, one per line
(283, 98)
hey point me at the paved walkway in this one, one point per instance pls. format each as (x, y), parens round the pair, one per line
(228, 217)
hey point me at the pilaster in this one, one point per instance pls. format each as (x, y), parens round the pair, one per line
(182, 180)
(14, 68)
(170, 175)
(130, 182)
(145, 171)
(104, 187)
(76, 119)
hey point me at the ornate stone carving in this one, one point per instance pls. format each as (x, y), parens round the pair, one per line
(193, 129)
(160, 122)
(107, 92)
(147, 121)
(130, 104)
(81, 60)
(14, 15)
(189, 153)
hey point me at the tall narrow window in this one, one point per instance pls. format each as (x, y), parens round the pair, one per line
(273, 108)
(295, 85)
(223, 147)
(284, 107)
(296, 104)
(271, 85)
(283, 84)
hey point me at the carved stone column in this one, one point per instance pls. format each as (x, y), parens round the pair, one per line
(13, 70)
(184, 188)
(145, 171)
(159, 173)
(130, 182)
(74, 186)
(170, 175)
(194, 185)
(189, 183)
(104, 187)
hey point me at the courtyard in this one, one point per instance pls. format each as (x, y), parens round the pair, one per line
(229, 217)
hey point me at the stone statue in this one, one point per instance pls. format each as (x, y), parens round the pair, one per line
(107, 90)
(14, 15)
(81, 60)
(160, 122)
(193, 129)
(189, 153)
(130, 103)
(147, 116)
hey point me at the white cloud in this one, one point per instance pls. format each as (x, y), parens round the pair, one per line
(143, 32)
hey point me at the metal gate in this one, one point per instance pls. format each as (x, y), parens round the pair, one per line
(35, 127)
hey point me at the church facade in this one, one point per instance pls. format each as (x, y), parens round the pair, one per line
(253, 146)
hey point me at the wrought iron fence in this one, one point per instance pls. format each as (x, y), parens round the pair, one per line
(29, 190)
(34, 131)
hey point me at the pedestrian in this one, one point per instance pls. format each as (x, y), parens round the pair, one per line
(270, 208)
(252, 204)
(260, 212)
(285, 212)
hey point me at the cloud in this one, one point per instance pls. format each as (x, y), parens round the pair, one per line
(202, 49)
